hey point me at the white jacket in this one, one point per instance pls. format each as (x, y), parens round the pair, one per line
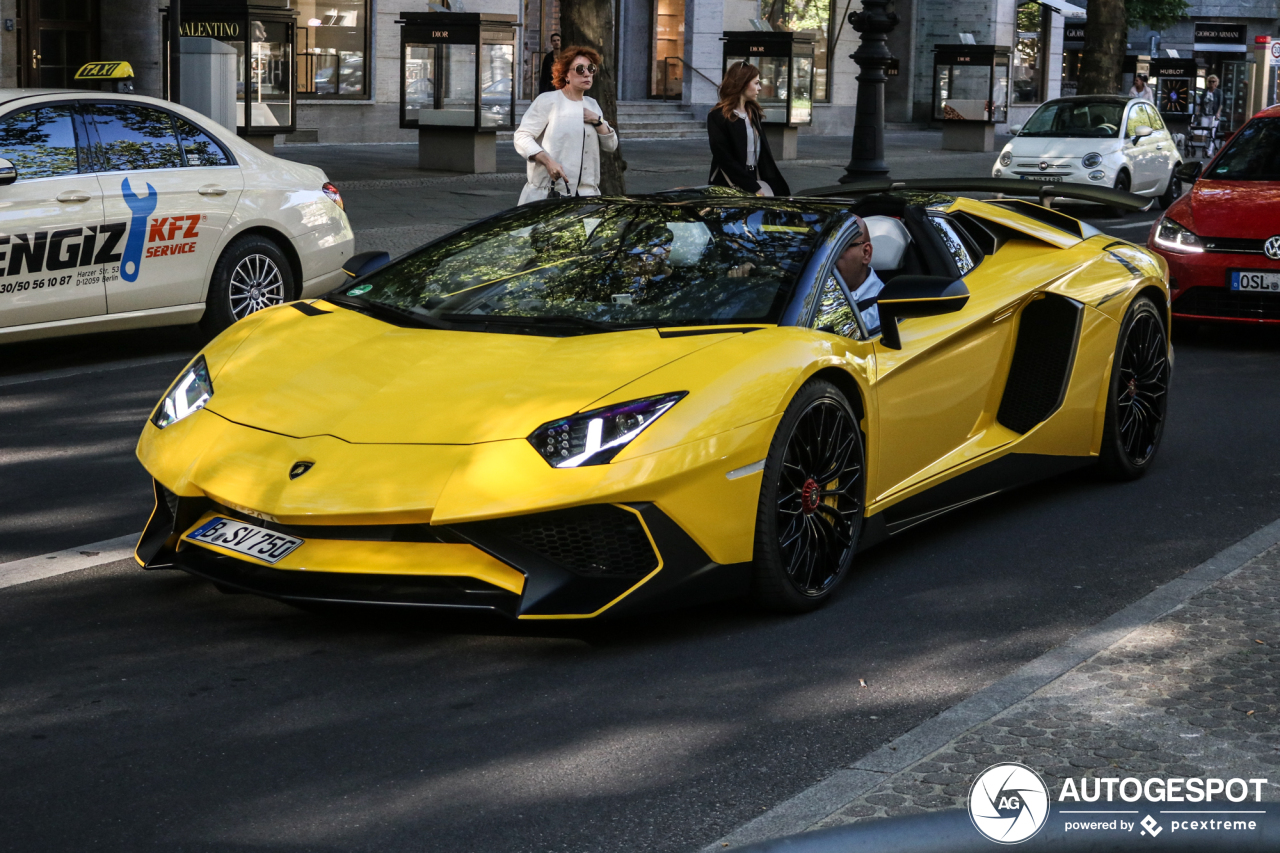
(554, 124)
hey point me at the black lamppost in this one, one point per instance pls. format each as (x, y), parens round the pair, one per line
(876, 20)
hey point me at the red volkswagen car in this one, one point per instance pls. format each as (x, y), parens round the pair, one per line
(1222, 239)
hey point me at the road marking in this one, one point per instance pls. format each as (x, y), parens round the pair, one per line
(71, 560)
(1130, 226)
(23, 378)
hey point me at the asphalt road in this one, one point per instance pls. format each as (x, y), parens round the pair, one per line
(147, 711)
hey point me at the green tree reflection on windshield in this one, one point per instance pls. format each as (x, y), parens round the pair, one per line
(697, 262)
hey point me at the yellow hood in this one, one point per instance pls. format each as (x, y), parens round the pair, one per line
(366, 381)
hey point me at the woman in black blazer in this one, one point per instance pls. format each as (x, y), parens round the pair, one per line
(735, 144)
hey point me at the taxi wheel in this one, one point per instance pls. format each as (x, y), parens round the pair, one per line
(252, 274)
(811, 498)
(1138, 395)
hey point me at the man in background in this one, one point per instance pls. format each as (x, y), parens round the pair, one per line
(544, 77)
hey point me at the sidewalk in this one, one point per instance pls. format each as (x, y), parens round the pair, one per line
(396, 206)
(1183, 683)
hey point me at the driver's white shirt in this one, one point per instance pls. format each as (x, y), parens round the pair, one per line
(869, 289)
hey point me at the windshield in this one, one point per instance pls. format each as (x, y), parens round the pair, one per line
(1252, 155)
(620, 265)
(1084, 119)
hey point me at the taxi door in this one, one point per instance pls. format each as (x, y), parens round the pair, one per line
(49, 220)
(935, 394)
(169, 189)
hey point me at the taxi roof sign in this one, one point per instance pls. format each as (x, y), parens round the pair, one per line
(105, 71)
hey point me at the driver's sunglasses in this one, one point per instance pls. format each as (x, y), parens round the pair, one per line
(584, 70)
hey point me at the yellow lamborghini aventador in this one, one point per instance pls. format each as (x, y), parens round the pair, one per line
(583, 407)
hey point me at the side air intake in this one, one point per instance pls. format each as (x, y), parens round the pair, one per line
(1047, 334)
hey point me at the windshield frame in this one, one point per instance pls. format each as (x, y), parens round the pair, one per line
(829, 217)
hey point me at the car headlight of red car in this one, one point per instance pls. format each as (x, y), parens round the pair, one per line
(1173, 237)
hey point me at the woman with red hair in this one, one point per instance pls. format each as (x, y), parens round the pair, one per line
(740, 155)
(563, 133)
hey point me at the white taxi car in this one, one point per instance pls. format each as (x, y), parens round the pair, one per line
(1101, 140)
(121, 211)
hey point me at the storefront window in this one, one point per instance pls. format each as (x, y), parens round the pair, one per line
(810, 16)
(1029, 57)
(333, 40)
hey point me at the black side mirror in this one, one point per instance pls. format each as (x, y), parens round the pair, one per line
(8, 172)
(917, 296)
(365, 263)
(1188, 172)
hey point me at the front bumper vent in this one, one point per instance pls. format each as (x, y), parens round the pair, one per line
(592, 541)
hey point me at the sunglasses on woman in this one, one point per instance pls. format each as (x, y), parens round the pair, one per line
(584, 70)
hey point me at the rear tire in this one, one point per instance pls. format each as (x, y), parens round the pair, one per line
(253, 273)
(811, 500)
(1138, 394)
(1122, 183)
(1171, 192)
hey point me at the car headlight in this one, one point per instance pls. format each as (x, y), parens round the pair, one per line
(1092, 160)
(595, 437)
(1006, 157)
(187, 396)
(1174, 238)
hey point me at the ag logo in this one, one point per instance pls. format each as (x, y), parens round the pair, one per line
(1008, 803)
(1272, 248)
(299, 468)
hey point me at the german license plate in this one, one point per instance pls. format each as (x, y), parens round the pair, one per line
(1256, 282)
(245, 539)
(1049, 178)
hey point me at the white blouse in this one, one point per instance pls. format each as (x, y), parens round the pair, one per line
(753, 144)
(554, 124)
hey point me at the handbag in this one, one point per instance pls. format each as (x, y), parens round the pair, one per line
(555, 193)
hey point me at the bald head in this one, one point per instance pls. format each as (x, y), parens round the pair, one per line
(855, 260)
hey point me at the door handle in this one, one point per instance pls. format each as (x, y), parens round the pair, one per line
(35, 57)
(73, 196)
(211, 189)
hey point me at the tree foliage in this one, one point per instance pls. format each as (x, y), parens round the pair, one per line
(1156, 14)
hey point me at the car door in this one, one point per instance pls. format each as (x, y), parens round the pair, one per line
(937, 395)
(171, 188)
(1166, 154)
(1140, 151)
(50, 218)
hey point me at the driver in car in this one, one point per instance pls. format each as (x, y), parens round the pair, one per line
(853, 268)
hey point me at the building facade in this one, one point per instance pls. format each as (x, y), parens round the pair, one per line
(344, 60)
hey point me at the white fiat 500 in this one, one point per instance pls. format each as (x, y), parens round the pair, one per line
(120, 211)
(1103, 140)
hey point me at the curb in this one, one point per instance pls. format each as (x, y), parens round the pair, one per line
(812, 805)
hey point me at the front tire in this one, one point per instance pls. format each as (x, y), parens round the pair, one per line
(811, 500)
(252, 274)
(1138, 394)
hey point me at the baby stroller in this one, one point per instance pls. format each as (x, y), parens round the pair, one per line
(1204, 137)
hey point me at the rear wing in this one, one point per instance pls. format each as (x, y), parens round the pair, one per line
(1045, 191)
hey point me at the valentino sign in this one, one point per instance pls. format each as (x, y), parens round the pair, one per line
(211, 29)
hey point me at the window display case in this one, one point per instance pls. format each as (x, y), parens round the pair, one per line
(1173, 83)
(970, 93)
(786, 68)
(970, 82)
(456, 70)
(263, 35)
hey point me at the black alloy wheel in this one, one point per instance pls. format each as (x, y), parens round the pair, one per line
(1138, 397)
(811, 501)
(1171, 192)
